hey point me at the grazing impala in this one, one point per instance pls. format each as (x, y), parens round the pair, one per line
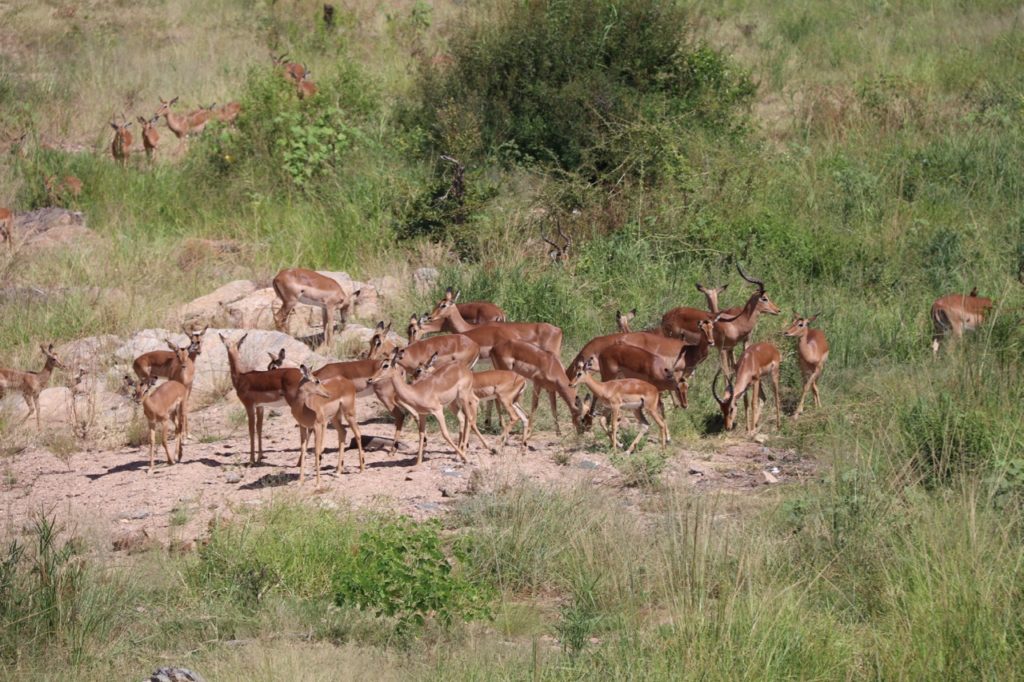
(756, 361)
(161, 405)
(812, 351)
(121, 146)
(68, 189)
(957, 313)
(545, 370)
(30, 384)
(306, 88)
(545, 336)
(494, 384)
(258, 390)
(317, 402)
(451, 383)
(681, 323)
(474, 313)
(150, 136)
(298, 285)
(623, 394)
(7, 226)
(293, 71)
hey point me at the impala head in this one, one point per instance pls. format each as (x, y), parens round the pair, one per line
(181, 354)
(165, 107)
(711, 293)
(764, 304)
(707, 328)
(413, 331)
(137, 390)
(121, 129)
(195, 341)
(445, 306)
(800, 325)
(388, 366)
(378, 341)
(622, 320)
(51, 358)
(727, 404)
(310, 386)
(276, 361)
(233, 345)
(581, 369)
(585, 408)
(425, 369)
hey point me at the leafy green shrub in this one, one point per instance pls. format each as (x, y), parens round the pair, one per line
(400, 570)
(563, 82)
(946, 436)
(642, 468)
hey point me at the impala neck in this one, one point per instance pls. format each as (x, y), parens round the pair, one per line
(234, 363)
(458, 321)
(46, 371)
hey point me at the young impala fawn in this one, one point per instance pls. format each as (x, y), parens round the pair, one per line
(956, 313)
(756, 361)
(150, 136)
(622, 394)
(812, 351)
(163, 404)
(121, 146)
(317, 402)
(31, 384)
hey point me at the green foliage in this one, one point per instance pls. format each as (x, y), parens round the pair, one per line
(562, 82)
(401, 571)
(643, 467)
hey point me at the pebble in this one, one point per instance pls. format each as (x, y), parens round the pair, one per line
(587, 464)
(233, 477)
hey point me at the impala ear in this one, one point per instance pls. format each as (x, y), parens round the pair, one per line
(223, 340)
(170, 345)
(388, 330)
(380, 325)
(432, 360)
(723, 288)
(700, 287)
(813, 317)
(113, 125)
(141, 120)
(173, 100)
(448, 294)
(457, 294)
(242, 340)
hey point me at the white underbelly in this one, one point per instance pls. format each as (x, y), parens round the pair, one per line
(311, 301)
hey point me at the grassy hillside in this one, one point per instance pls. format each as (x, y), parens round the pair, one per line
(862, 160)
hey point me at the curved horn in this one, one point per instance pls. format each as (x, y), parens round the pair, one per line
(752, 280)
(714, 388)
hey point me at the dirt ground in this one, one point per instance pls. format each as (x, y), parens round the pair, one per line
(110, 492)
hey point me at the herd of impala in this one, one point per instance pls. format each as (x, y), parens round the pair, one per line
(431, 373)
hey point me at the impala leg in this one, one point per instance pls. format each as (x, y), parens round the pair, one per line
(471, 416)
(318, 447)
(152, 446)
(614, 435)
(303, 437)
(534, 400)
(554, 412)
(439, 416)
(658, 415)
(808, 378)
(458, 408)
(340, 428)
(31, 408)
(250, 414)
(399, 416)
(814, 386)
(163, 438)
(353, 424)
(522, 415)
(35, 402)
(422, 422)
(328, 317)
(259, 431)
(182, 426)
(645, 426)
(281, 316)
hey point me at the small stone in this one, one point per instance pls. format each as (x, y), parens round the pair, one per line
(447, 492)
(409, 478)
(768, 477)
(761, 438)
(695, 472)
(587, 464)
(232, 477)
(134, 515)
(451, 473)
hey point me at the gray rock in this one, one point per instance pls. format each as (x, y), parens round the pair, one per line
(587, 464)
(232, 477)
(47, 227)
(768, 477)
(174, 675)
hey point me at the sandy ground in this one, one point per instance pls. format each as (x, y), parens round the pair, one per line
(110, 492)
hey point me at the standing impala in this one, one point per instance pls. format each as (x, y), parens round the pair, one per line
(622, 361)
(812, 351)
(451, 383)
(474, 313)
(298, 285)
(163, 404)
(735, 331)
(163, 363)
(756, 361)
(258, 390)
(293, 71)
(121, 146)
(957, 313)
(183, 125)
(317, 402)
(681, 323)
(623, 394)
(30, 384)
(545, 370)
(545, 336)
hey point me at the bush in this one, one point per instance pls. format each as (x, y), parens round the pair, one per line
(565, 82)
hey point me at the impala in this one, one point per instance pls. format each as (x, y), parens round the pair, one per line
(228, 112)
(70, 186)
(448, 348)
(30, 384)
(735, 330)
(182, 125)
(121, 145)
(545, 370)
(957, 313)
(682, 322)
(474, 313)
(161, 404)
(622, 361)
(451, 383)
(7, 226)
(150, 136)
(623, 394)
(495, 384)
(306, 88)
(276, 361)
(380, 343)
(298, 285)
(293, 71)
(545, 336)
(258, 390)
(164, 363)
(756, 361)
(668, 348)
(812, 351)
(316, 402)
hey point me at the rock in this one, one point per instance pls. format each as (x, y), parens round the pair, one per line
(134, 515)
(232, 477)
(768, 477)
(255, 310)
(447, 492)
(428, 506)
(88, 352)
(375, 443)
(693, 471)
(209, 310)
(451, 473)
(388, 287)
(134, 542)
(587, 464)
(425, 279)
(761, 439)
(46, 227)
(174, 675)
(60, 405)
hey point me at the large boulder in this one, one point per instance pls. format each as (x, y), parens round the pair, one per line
(211, 309)
(89, 352)
(62, 406)
(47, 227)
